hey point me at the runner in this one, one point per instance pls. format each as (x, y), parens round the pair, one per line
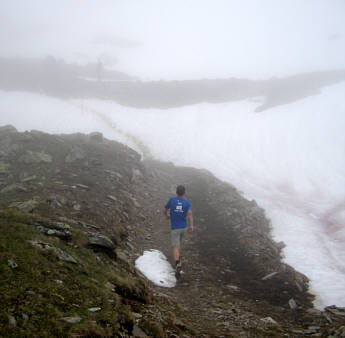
(180, 210)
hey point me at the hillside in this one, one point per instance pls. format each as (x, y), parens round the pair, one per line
(58, 79)
(77, 210)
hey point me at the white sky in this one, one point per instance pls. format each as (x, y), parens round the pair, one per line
(181, 39)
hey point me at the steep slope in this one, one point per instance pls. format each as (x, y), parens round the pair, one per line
(79, 209)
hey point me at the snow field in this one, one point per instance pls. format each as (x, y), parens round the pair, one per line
(289, 158)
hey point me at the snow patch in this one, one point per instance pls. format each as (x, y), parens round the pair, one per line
(155, 267)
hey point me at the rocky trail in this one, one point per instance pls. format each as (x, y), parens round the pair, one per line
(221, 292)
(235, 283)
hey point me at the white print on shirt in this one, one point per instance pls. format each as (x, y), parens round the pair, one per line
(178, 207)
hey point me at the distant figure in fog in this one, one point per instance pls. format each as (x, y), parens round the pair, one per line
(180, 211)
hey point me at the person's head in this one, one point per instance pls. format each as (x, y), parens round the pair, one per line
(180, 190)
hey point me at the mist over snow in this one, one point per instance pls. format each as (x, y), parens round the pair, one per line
(289, 158)
(180, 39)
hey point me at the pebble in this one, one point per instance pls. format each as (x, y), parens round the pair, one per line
(12, 263)
(95, 309)
(12, 321)
(269, 320)
(70, 320)
(292, 304)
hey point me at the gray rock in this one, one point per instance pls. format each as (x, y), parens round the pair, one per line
(62, 255)
(110, 286)
(281, 245)
(121, 255)
(113, 173)
(179, 323)
(82, 186)
(292, 304)
(56, 233)
(28, 178)
(113, 198)
(56, 201)
(70, 320)
(101, 240)
(76, 206)
(269, 276)
(56, 225)
(269, 320)
(13, 188)
(96, 137)
(8, 129)
(25, 318)
(138, 332)
(11, 263)
(53, 228)
(32, 157)
(314, 312)
(26, 206)
(12, 321)
(4, 167)
(137, 315)
(136, 175)
(94, 309)
(130, 245)
(233, 287)
(338, 311)
(76, 153)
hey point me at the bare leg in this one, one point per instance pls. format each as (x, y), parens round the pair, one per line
(176, 253)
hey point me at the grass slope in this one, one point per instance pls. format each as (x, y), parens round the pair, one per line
(38, 289)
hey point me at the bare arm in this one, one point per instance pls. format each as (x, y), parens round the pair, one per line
(190, 221)
(165, 213)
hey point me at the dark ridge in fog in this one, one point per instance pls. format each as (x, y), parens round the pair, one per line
(57, 78)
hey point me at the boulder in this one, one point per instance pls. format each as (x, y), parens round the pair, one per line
(101, 241)
(53, 228)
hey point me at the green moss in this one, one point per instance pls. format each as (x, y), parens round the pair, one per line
(34, 283)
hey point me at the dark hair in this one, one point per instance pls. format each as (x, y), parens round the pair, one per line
(180, 190)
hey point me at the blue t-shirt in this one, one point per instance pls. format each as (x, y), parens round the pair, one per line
(178, 212)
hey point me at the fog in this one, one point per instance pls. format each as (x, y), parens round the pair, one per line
(272, 124)
(180, 39)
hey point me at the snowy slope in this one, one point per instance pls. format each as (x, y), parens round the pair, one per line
(289, 158)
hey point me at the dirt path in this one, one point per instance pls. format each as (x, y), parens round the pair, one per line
(220, 294)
